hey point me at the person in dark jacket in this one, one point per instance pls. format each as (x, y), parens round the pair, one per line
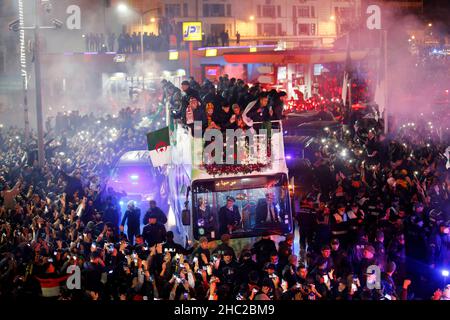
(131, 217)
(229, 217)
(171, 246)
(285, 250)
(202, 253)
(439, 247)
(188, 93)
(154, 232)
(267, 211)
(263, 248)
(111, 214)
(225, 247)
(228, 268)
(397, 253)
(160, 216)
(73, 185)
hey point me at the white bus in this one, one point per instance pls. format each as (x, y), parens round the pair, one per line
(190, 185)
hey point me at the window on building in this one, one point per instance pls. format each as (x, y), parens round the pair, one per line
(258, 9)
(173, 10)
(185, 10)
(269, 11)
(279, 11)
(279, 30)
(269, 29)
(213, 10)
(304, 29)
(313, 12)
(313, 29)
(303, 11)
(228, 10)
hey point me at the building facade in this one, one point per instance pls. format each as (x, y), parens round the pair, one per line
(305, 23)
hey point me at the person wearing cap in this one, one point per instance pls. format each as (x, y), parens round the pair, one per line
(131, 217)
(225, 246)
(154, 232)
(229, 217)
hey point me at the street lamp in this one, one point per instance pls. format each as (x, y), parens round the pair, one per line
(251, 18)
(124, 9)
(18, 25)
(430, 24)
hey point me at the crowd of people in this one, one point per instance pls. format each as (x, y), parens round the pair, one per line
(376, 200)
(125, 42)
(230, 105)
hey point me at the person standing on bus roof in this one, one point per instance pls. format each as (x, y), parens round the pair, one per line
(229, 217)
(160, 215)
(131, 216)
(257, 110)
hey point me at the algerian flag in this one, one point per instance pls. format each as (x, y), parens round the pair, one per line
(159, 146)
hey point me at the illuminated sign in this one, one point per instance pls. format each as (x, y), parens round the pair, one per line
(211, 52)
(173, 55)
(253, 49)
(192, 31)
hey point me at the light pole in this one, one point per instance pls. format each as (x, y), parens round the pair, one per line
(37, 70)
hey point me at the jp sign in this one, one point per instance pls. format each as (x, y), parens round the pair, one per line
(192, 31)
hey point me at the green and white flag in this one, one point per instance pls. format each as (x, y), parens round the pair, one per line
(159, 146)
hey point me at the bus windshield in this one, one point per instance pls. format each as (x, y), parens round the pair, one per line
(241, 207)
